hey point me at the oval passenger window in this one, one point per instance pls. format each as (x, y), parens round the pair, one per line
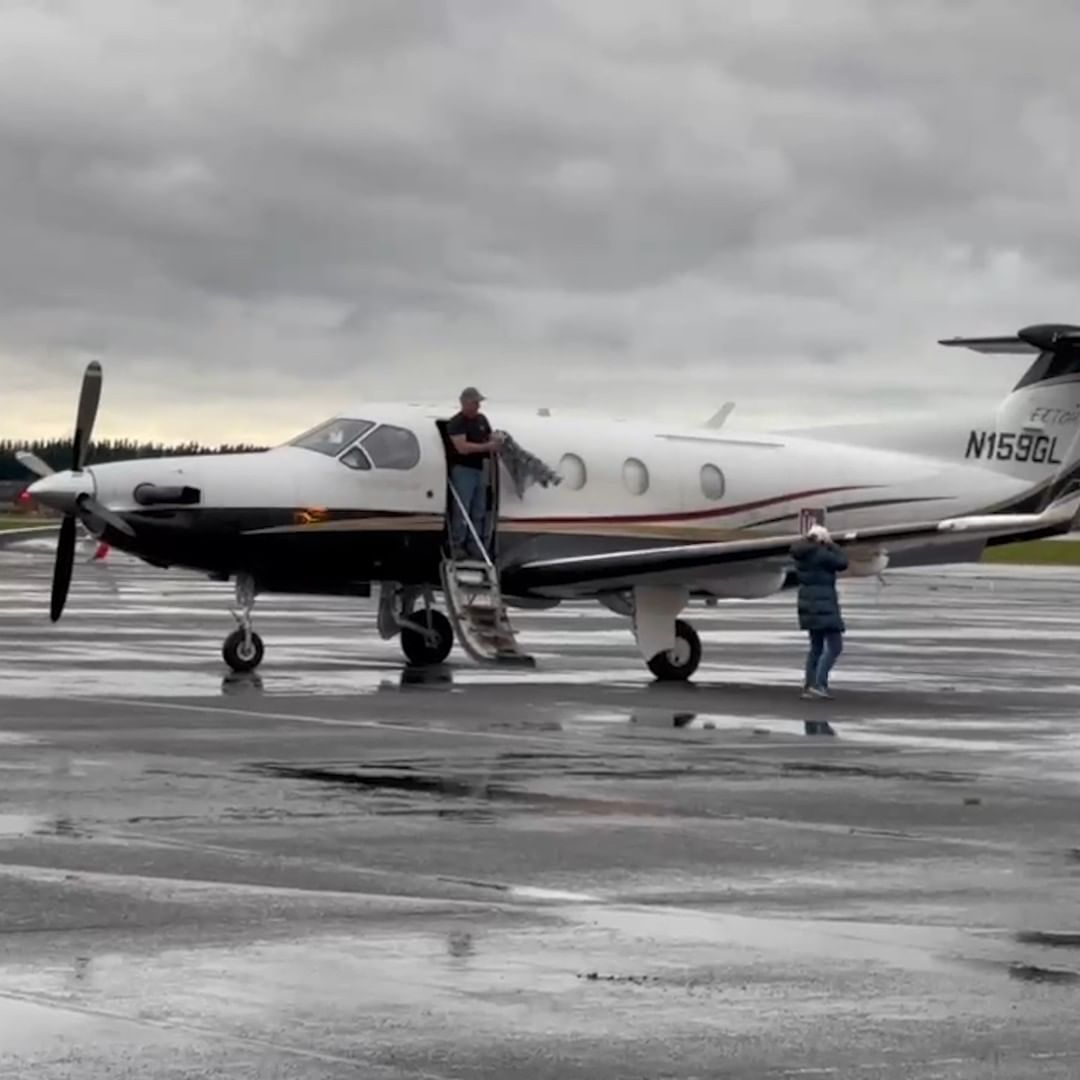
(635, 476)
(712, 482)
(572, 470)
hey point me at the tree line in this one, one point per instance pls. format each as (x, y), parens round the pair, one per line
(57, 452)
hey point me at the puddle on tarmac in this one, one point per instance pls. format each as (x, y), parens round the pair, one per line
(467, 797)
(1035, 974)
(1053, 939)
(16, 738)
(876, 772)
(18, 824)
(23, 825)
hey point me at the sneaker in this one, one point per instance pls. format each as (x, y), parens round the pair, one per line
(807, 694)
(818, 692)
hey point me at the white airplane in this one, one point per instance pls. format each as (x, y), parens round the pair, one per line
(642, 520)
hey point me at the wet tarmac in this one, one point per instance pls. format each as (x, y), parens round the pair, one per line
(340, 868)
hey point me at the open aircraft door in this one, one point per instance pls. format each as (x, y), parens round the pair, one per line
(491, 496)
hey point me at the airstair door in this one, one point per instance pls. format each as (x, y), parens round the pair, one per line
(485, 539)
(470, 579)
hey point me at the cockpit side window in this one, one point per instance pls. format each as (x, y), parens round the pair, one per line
(333, 436)
(392, 447)
(356, 459)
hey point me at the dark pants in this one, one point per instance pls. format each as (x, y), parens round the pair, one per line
(825, 649)
(471, 486)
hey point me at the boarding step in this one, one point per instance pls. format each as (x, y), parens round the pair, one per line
(474, 603)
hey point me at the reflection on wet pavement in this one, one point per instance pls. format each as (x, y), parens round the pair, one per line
(342, 866)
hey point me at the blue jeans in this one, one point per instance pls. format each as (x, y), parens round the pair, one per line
(825, 649)
(471, 486)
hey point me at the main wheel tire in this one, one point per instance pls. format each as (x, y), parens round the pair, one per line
(241, 656)
(416, 646)
(679, 663)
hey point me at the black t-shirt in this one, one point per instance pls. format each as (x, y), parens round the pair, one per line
(476, 429)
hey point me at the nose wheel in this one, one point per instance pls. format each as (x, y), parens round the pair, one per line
(243, 648)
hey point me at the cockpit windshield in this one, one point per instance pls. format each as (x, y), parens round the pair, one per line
(333, 436)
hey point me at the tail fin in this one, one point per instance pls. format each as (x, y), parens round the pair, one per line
(1036, 434)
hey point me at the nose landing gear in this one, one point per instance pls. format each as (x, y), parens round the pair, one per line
(243, 648)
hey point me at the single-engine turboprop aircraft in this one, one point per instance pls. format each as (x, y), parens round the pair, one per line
(641, 519)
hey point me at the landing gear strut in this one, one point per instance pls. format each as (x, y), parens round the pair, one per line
(679, 663)
(243, 648)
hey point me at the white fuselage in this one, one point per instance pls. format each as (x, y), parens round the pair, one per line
(294, 514)
(766, 480)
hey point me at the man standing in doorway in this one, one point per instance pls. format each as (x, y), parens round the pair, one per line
(473, 444)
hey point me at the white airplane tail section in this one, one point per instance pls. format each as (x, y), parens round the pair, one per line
(1036, 432)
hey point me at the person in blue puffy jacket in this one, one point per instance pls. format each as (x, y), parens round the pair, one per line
(817, 562)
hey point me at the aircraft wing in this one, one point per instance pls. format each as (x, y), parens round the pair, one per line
(9, 537)
(687, 562)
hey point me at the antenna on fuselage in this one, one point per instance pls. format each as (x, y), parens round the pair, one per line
(718, 419)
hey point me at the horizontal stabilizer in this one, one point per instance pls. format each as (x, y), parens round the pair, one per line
(1045, 337)
(991, 344)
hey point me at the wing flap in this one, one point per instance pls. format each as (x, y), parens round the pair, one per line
(623, 569)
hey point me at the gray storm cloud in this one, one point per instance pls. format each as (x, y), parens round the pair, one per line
(254, 210)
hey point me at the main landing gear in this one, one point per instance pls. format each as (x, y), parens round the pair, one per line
(243, 648)
(669, 646)
(427, 639)
(679, 663)
(425, 633)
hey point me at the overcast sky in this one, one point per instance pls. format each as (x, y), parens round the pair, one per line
(255, 210)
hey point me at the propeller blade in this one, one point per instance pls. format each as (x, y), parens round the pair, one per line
(33, 463)
(89, 397)
(96, 515)
(65, 560)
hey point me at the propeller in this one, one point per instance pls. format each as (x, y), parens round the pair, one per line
(33, 463)
(85, 415)
(65, 561)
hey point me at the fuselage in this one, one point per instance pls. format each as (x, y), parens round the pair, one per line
(299, 518)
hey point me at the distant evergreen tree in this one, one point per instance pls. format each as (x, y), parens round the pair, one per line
(57, 452)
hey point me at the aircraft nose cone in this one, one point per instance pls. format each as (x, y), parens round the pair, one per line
(59, 491)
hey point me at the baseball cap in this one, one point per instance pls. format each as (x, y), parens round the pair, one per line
(470, 393)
